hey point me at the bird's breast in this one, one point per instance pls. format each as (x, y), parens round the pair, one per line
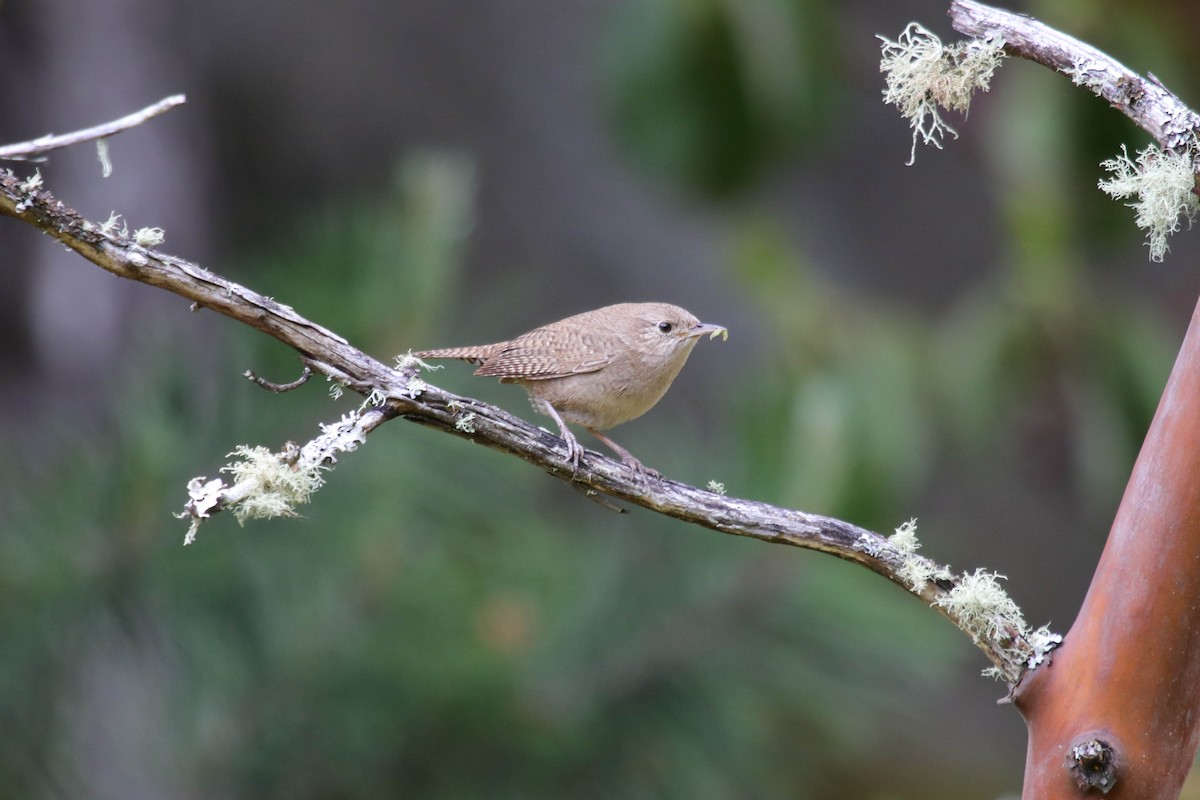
(623, 390)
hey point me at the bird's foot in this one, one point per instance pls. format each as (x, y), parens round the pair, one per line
(574, 453)
(574, 448)
(639, 469)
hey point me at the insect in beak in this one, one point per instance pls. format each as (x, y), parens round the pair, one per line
(711, 331)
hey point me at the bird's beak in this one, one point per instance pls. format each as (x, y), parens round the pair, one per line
(705, 329)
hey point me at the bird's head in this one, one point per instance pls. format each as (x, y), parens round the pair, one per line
(664, 333)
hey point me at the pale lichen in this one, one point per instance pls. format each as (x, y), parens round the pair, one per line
(1086, 73)
(923, 75)
(1163, 182)
(149, 237)
(413, 385)
(414, 388)
(32, 183)
(277, 482)
(870, 544)
(914, 570)
(984, 610)
(1041, 643)
(905, 538)
(113, 226)
(978, 605)
(266, 484)
(716, 487)
(376, 398)
(409, 360)
(102, 157)
(982, 606)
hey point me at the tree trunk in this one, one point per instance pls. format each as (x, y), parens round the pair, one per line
(1118, 706)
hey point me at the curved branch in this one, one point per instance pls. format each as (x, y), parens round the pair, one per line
(280, 388)
(35, 148)
(1143, 99)
(398, 392)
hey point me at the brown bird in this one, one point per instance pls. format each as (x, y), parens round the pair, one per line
(596, 369)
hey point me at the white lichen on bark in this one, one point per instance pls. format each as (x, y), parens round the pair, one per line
(978, 605)
(915, 570)
(924, 76)
(149, 237)
(985, 611)
(1163, 182)
(268, 484)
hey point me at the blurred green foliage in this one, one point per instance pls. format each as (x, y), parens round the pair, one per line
(848, 429)
(709, 93)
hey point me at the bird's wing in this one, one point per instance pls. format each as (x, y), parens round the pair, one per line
(548, 353)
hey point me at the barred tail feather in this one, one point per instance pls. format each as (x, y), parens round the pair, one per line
(474, 355)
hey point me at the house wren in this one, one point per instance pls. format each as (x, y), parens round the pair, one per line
(596, 369)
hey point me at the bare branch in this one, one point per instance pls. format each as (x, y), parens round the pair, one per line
(280, 388)
(1143, 99)
(401, 393)
(34, 149)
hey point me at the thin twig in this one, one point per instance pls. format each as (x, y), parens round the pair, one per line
(280, 388)
(1143, 99)
(26, 151)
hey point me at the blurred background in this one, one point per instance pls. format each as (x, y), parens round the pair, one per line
(978, 341)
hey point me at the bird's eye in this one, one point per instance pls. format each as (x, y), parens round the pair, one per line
(666, 327)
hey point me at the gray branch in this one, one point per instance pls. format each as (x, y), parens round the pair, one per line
(429, 405)
(1143, 99)
(35, 148)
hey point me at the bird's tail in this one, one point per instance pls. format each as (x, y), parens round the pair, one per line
(474, 355)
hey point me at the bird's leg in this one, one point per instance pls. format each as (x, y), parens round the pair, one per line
(627, 457)
(574, 448)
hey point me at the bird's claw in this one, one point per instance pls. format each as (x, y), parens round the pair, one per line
(574, 455)
(639, 469)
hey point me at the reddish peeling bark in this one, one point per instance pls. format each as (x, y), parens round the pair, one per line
(1118, 707)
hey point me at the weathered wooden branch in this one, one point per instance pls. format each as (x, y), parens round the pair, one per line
(401, 393)
(1144, 100)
